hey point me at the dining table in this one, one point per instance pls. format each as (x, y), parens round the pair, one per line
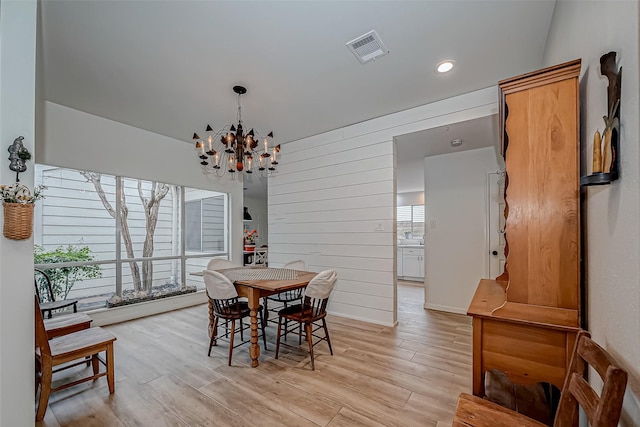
(255, 283)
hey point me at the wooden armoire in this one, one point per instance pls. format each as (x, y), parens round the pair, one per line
(525, 321)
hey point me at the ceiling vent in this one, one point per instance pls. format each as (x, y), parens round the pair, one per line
(367, 47)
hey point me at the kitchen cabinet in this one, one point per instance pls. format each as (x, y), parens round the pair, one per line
(413, 262)
(399, 263)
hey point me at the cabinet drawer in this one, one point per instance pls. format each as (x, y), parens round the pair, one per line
(412, 251)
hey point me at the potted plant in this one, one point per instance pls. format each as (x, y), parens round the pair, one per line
(250, 240)
(18, 202)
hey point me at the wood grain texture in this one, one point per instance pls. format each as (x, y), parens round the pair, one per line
(409, 375)
(543, 192)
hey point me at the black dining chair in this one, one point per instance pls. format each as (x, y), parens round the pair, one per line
(50, 305)
(312, 311)
(224, 298)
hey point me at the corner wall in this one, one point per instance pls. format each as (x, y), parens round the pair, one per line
(333, 203)
(17, 118)
(456, 196)
(588, 30)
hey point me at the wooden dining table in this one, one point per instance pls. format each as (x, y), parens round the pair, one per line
(255, 289)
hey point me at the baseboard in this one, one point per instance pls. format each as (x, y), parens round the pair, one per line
(108, 316)
(446, 308)
(362, 319)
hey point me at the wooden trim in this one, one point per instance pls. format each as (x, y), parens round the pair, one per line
(490, 302)
(541, 77)
(478, 381)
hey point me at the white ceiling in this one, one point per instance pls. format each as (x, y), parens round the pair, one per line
(169, 66)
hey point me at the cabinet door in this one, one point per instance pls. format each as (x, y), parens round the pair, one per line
(412, 259)
(400, 272)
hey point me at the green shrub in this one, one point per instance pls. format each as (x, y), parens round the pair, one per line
(63, 278)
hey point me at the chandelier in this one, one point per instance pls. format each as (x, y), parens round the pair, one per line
(236, 151)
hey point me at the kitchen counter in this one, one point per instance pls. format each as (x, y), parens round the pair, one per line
(411, 246)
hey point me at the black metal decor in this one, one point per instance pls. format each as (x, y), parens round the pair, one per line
(18, 156)
(606, 148)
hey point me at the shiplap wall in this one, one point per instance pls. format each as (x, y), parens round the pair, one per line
(333, 203)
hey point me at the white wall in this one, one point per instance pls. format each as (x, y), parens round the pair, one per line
(456, 195)
(17, 117)
(333, 203)
(589, 30)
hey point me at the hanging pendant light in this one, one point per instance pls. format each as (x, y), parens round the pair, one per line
(236, 151)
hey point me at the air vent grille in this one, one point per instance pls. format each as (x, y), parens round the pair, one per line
(367, 47)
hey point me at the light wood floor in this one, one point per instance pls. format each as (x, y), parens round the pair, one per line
(410, 375)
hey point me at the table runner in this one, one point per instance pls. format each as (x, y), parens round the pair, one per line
(240, 274)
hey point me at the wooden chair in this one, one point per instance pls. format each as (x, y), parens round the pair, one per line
(51, 304)
(287, 297)
(602, 411)
(312, 310)
(69, 348)
(224, 298)
(260, 257)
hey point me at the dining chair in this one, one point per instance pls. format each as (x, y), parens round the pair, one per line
(287, 297)
(312, 310)
(220, 264)
(69, 348)
(51, 304)
(602, 410)
(224, 298)
(260, 257)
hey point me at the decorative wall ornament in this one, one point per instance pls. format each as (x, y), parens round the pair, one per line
(18, 156)
(606, 146)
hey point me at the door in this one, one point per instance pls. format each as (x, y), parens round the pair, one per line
(496, 241)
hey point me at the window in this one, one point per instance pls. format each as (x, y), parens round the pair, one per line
(108, 239)
(410, 222)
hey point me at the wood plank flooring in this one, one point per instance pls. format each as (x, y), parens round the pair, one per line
(410, 375)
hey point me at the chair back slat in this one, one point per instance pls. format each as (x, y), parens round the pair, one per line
(320, 287)
(42, 341)
(218, 286)
(603, 410)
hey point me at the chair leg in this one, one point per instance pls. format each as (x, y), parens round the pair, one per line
(110, 369)
(265, 316)
(307, 326)
(326, 334)
(264, 334)
(233, 333)
(278, 339)
(241, 330)
(75, 307)
(212, 341)
(96, 364)
(45, 389)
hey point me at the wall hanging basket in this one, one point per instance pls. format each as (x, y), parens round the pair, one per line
(18, 220)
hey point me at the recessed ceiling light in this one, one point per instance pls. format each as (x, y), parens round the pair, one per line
(445, 66)
(456, 142)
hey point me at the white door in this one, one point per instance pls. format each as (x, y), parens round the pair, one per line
(496, 224)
